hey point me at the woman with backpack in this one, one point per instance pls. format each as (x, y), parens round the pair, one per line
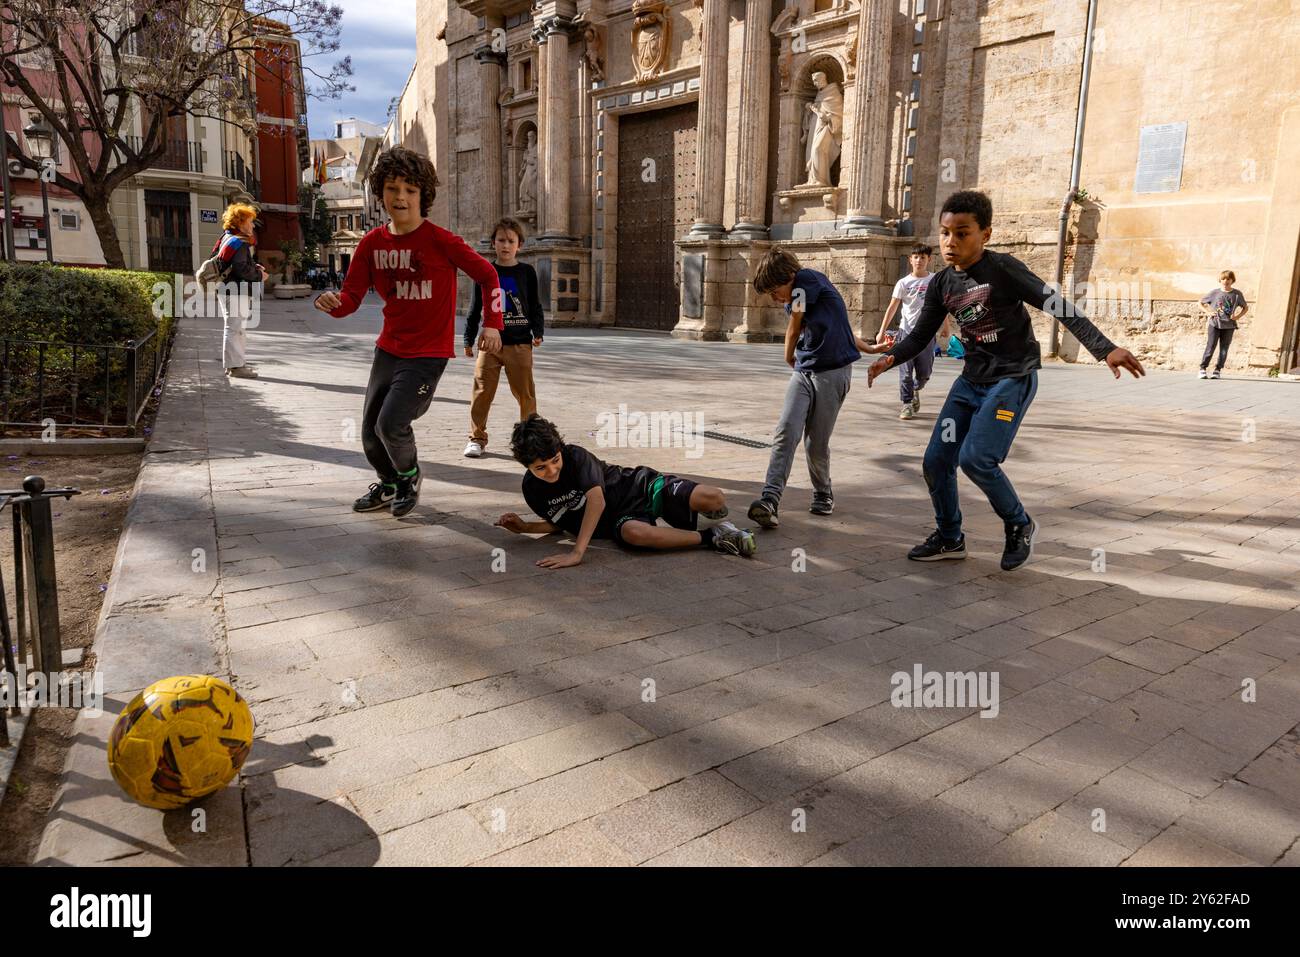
(234, 253)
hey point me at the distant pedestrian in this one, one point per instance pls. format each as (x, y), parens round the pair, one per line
(1221, 306)
(242, 277)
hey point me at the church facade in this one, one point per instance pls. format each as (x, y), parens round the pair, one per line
(654, 149)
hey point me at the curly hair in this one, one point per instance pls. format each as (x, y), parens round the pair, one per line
(413, 167)
(973, 203)
(236, 213)
(535, 440)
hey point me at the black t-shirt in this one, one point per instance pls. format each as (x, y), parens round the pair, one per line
(988, 303)
(521, 306)
(564, 501)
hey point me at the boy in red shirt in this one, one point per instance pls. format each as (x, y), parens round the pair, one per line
(412, 264)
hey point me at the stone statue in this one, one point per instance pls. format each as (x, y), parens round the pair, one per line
(823, 131)
(594, 53)
(528, 176)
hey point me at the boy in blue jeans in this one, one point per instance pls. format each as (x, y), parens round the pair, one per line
(986, 293)
(822, 347)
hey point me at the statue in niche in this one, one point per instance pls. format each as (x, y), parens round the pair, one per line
(594, 53)
(823, 131)
(528, 176)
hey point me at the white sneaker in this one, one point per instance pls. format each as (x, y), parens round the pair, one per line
(1215, 374)
(908, 412)
(1202, 374)
(473, 451)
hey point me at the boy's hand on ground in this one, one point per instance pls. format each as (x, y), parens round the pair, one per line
(327, 302)
(510, 522)
(877, 367)
(1123, 359)
(489, 341)
(567, 560)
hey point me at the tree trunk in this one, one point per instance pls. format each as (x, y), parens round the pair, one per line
(105, 229)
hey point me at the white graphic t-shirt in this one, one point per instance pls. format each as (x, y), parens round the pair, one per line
(910, 291)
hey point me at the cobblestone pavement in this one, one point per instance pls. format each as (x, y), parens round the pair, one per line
(414, 706)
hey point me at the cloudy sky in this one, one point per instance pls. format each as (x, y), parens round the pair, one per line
(379, 35)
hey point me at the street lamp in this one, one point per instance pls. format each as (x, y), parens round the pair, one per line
(41, 139)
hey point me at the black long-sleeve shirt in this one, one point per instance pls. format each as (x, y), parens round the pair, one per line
(988, 303)
(521, 306)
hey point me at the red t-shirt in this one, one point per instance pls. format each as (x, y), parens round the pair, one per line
(415, 275)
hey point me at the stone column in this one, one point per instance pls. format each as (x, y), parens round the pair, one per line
(491, 61)
(711, 155)
(556, 148)
(754, 148)
(870, 121)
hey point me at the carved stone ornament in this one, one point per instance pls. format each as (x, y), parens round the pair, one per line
(783, 68)
(851, 55)
(651, 38)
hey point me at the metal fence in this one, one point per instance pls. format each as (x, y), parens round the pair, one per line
(75, 384)
(36, 592)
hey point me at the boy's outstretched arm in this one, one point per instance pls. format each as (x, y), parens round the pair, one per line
(1034, 292)
(933, 312)
(346, 300)
(590, 519)
(485, 275)
(513, 523)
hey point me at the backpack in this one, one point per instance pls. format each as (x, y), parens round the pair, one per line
(213, 270)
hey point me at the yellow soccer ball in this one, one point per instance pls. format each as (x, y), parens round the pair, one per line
(179, 739)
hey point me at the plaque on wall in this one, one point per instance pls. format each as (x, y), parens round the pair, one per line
(1160, 158)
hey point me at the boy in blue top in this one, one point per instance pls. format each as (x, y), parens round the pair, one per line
(822, 347)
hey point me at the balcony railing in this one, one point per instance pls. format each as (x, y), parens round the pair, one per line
(183, 155)
(235, 168)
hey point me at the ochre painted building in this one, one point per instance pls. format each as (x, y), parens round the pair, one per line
(655, 149)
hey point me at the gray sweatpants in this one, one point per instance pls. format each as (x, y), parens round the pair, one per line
(812, 403)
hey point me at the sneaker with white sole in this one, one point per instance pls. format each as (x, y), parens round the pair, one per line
(1202, 374)
(1020, 545)
(1215, 374)
(916, 401)
(937, 548)
(730, 540)
(474, 450)
(763, 511)
(408, 494)
(380, 496)
(907, 412)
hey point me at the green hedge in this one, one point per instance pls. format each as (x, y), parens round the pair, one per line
(92, 307)
(95, 306)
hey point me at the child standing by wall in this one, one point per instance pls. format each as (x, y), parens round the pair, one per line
(521, 310)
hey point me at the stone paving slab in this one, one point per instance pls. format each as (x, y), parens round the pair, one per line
(416, 704)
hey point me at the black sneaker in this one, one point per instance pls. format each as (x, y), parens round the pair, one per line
(763, 511)
(378, 497)
(823, 506)
(408, 494)
(936, 547)
(1020, 544)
